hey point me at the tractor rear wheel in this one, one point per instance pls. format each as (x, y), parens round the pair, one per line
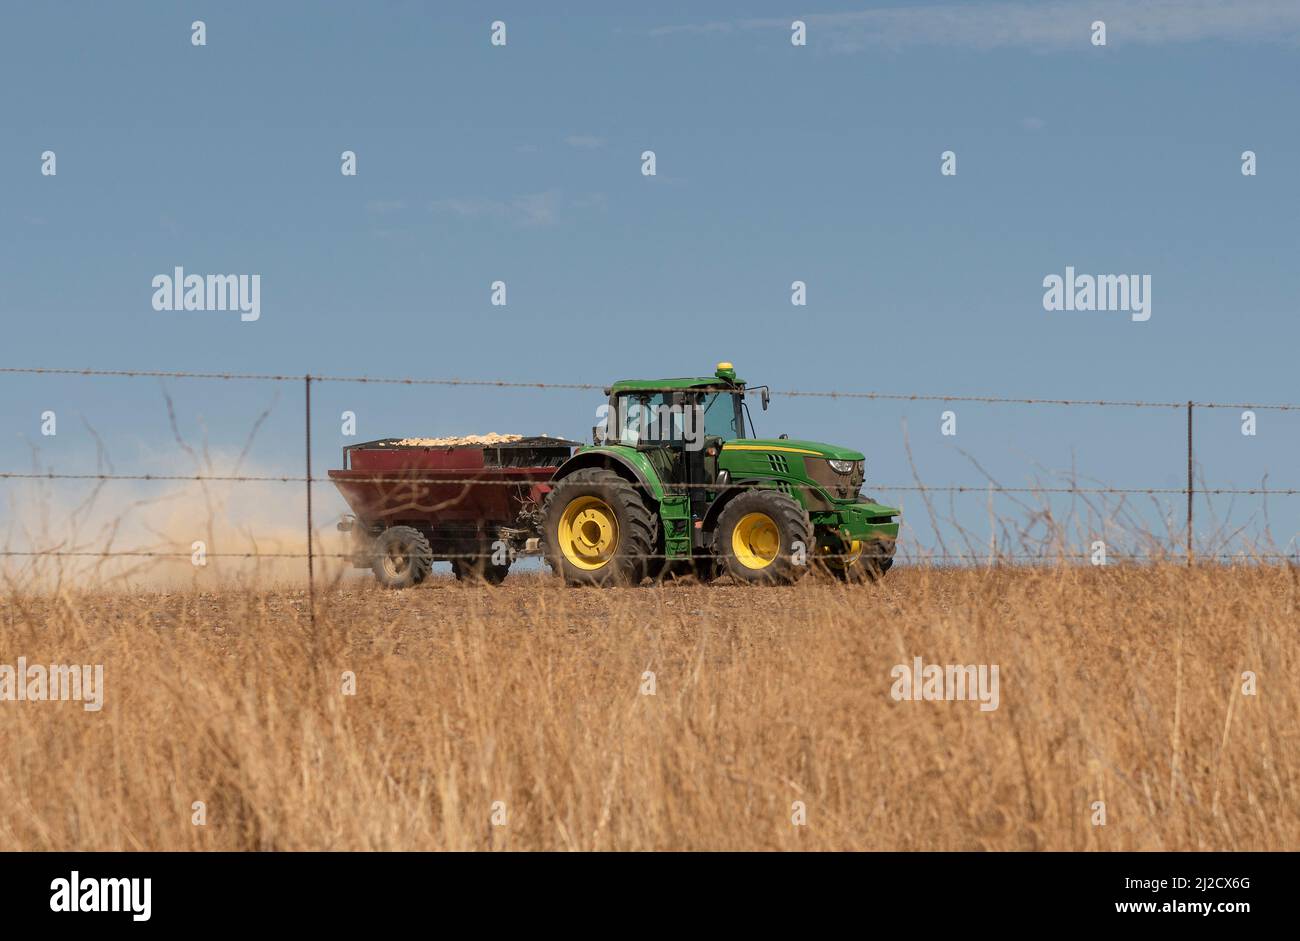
(401, 557)
(764, 537)
(598, 530)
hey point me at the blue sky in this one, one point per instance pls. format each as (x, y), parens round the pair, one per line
(775, 163)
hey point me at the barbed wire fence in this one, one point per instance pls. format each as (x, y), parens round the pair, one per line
(307, 479)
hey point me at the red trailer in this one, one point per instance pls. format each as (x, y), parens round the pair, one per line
(477, 506)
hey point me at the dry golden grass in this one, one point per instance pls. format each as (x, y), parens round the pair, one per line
(1122, 685)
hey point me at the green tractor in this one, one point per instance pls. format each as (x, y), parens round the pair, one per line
(673, 485)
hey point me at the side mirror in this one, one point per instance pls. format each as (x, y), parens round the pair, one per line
(766, 398)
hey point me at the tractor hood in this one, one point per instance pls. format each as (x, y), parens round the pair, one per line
(794, 446)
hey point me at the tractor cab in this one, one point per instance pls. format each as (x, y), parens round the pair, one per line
(680, 425)
(678, 413)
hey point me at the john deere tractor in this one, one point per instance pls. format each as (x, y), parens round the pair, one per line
(677, 481)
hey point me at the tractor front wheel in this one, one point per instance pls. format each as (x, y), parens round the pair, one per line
(764, 537)
(860, 561)
(598, 530)
(401, 557)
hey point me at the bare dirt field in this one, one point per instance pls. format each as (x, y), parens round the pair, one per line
(1120, 689)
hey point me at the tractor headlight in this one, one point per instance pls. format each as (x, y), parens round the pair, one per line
(841, 467)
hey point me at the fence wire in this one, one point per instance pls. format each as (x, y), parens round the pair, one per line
(408, 479)
(353, 477)
(592, 386)
(920, 558)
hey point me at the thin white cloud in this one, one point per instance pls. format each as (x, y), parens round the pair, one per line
(530, 210)
(595, 201)
(1051, 24)
(585, 141)
(470, 208)
(537, 209)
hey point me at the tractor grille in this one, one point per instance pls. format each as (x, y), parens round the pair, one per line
(839, 486)
(779, 462)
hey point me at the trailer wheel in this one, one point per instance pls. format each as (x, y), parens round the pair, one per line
(764, 537)
(402, 557)
(483, 571)
(597, 529)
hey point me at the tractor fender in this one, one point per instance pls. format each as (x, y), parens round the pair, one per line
(719, 504)
(628, 463)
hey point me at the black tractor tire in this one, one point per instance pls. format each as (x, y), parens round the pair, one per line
(610, 529)
(764, 537)
(401, 557)
(479, 571)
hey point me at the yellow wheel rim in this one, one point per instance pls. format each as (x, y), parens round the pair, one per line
(849, 557)
(756, 540)
(588, 533)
